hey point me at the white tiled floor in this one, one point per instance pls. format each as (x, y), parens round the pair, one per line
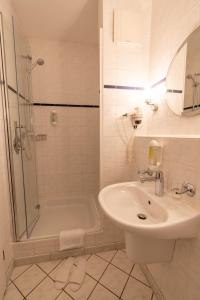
(110, 276)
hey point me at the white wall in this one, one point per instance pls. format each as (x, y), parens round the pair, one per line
(70, 73)
(68, 161)
(123, 64)
(178, 279)
(172, 22)
(170, 25)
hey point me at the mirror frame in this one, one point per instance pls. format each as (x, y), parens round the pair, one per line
(184, 113)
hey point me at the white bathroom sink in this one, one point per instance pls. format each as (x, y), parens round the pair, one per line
(166, 217)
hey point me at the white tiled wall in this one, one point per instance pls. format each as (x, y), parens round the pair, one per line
(70, 73)
(123, 64)
(68, 161)
(171, 24)
(181, 163)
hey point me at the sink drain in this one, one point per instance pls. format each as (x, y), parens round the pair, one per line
(142, 216)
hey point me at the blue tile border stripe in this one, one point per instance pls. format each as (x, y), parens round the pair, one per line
(65, 105)
(54, 104)
(174, 91)
(123, 87)
(158, 82)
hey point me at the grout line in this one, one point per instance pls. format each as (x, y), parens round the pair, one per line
(68, 295)
(62, 291)
(121, 269)
(129, 274)
(109, 290)
(58, 294)
(110, 262)
(141, 282)
(148, 285)
(37, 285)
(24, 297)
(124, 287)
(104, 258)
(21, 273)
(132, 269)
(114, 256)
(97, 281)
(37, 264)
(93, 290)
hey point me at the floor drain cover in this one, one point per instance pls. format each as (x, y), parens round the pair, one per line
(142, 216)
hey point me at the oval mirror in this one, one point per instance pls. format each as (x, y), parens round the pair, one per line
(183, 78)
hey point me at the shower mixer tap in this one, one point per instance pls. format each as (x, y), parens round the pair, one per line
(186, 188)
(17, 142)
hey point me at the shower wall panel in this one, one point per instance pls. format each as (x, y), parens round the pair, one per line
(70, 73)
(68, 160)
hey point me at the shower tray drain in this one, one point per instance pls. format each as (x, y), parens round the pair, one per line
(142, 216)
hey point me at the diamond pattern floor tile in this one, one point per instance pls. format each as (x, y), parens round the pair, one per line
(122, 262)
(136, 290)
(102, 293)
(18, 271)
(63, 296)
(12, 293)
(138, 274)
(48, 266)
(44, 291)
(53, 273)
(96, 266)
(76, 259)
(29, 279)
(108, 255)
(84, 292)
(114, 279)
(111, 268)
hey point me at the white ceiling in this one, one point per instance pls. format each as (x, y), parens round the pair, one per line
(72, 20)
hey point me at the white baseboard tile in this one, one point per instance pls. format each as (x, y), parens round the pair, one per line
(67, 253)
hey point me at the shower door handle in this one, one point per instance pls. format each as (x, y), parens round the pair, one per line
(17, 142)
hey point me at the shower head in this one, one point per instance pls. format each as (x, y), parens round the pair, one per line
(39, 62)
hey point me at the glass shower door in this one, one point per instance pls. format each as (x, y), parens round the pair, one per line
(23, 67)
(15, 59)
(12, 124)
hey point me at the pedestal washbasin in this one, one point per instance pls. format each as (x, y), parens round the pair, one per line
(151, 223)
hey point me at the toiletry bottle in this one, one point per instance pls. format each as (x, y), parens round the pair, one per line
(155, 155)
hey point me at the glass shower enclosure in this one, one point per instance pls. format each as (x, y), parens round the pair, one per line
(19, 127)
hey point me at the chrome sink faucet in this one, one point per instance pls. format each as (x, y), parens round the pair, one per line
(156, 176)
